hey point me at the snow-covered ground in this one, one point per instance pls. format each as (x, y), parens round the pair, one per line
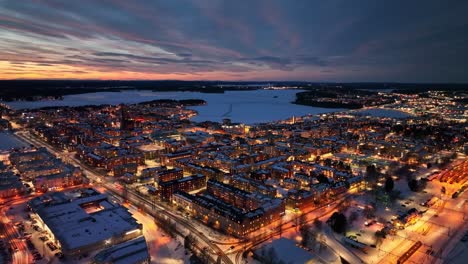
(241, 106)
(8, 141)
(287, 251)
(163, 248)
(438, 229)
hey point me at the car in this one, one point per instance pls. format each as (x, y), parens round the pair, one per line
(404, 205)
(429, 251)
(51, 246)
(43, 238)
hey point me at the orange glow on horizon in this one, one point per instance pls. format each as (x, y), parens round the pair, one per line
(35, 71)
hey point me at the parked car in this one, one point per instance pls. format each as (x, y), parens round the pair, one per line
(51, 246)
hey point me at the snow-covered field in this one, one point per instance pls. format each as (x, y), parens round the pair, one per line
(241, 106)
(8, 140)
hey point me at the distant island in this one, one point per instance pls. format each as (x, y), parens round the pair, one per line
(356, 96)
(337, 97)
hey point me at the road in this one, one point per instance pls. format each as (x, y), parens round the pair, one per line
(21, 255)
(133, 197)
(345, 253)
(317, 213)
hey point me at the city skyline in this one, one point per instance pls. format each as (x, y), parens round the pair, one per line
(233, 132)
(221, 40)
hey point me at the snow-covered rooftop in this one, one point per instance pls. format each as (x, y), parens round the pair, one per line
(75, 228)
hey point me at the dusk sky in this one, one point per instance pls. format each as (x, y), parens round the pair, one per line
(402, 41)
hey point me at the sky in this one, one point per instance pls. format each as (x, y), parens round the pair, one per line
(290, 40)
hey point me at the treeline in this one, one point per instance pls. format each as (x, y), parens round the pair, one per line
(33, 90)
(165, 102)
(9, 94)
(315, 98)
(328, 104)
(11, 90)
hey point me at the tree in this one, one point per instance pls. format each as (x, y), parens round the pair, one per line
(371, 171)
(205, 255)
(371, 174)
(318, 224)
(305, 234)
(413, 185)
(379, 236)
(302, 220)
(189, 240)
(338, 222)
(322, 178)
(389, 184)
(340, 165)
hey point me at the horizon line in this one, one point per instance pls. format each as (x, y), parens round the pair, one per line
(237, 81)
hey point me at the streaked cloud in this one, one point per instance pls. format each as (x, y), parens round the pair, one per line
(416, 41)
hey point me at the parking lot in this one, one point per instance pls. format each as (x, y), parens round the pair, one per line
(38, 241)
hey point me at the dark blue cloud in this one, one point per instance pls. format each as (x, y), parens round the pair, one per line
(303, 39)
